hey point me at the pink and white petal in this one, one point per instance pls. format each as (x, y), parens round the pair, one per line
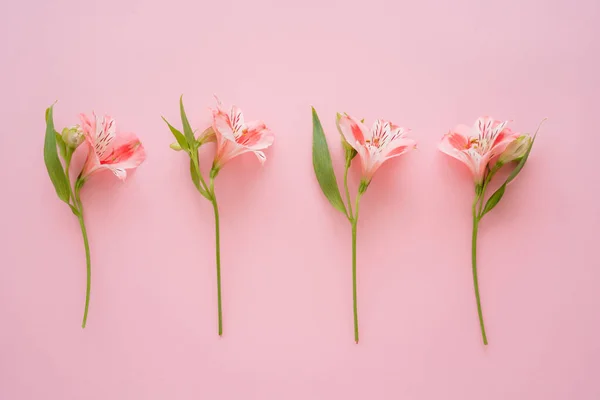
(263, 139)
(237, 121)
(261, 156)
(222, 125)
(380, 129)
(456, 140)
(128, 156)
(365, 161)
(461, 155)
(106, 130)
(226, 150)
(354, 131)
(399, 147)
(119, 172)
(91, 162)
(398, 131)
(484, 125)
(453, 142)
(88, 126)
(504, 138)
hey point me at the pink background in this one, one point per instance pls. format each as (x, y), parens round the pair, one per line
(286, 252)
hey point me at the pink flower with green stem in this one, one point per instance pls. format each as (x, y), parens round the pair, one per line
(373, 146)
(485, 148)
(107, 150)
(233, 136)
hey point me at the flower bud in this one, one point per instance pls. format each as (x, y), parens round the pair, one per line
(207, 136)
(73, 136)
(175, 146)
(349, 151)
(516, 149)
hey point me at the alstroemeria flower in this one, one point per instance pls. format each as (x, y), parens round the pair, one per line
(476, 146)
(107, 150)
(235, 136)
(384, 141)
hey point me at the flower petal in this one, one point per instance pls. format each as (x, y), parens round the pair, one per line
(257, 136)
(399, 147)
(106, 130)
(237, 121)
(222, 125)
(447, 145)
(354, 131)
(261, 156)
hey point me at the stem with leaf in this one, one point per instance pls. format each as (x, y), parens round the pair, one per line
(187, 142)
(60, 177)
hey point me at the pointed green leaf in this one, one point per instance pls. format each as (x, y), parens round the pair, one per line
(493, 200)
(53, 164)
(187, 130)
(178, 135)
(323, 166)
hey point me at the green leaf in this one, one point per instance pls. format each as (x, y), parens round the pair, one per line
(187, 130)
(75, 210)
(493, 200)
(62, 147)
(53, 164)
(178, 135)
(323, 166)
(195, 176)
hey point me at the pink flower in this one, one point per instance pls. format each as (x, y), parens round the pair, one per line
(384, 141)
(107, 150)
(478, 145)
(235, 136)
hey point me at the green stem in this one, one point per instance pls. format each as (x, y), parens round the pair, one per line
(474, 263)
(196, 162)
(346, 187)
(218, 253)
(487, 180)
(88, 264)
(88, 270)
(354, 299)
(354, 291)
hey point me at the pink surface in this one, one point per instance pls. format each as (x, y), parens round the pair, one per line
(286, 252)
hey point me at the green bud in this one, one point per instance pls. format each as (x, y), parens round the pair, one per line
(363, 187)
(175, 146)
(516, 149)
(207, 136)
(73, 136)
